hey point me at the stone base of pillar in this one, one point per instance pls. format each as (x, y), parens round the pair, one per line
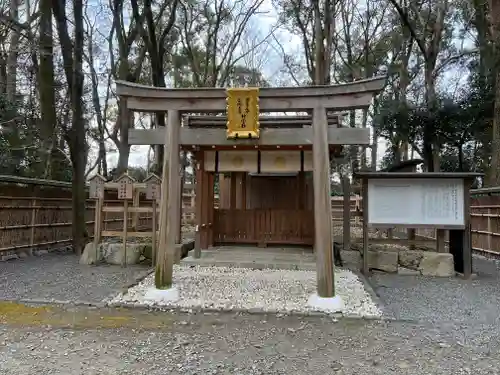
(162, 295)
(331, 304)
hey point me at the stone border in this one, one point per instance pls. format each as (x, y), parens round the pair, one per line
(251, 311)
(198, 309)
(371, 290)
(256, 312)
(142, 275)
(106, 303)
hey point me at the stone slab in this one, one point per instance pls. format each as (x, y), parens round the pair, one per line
(382, 260)
(437, 264)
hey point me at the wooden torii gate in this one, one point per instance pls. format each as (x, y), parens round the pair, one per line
(317, 100)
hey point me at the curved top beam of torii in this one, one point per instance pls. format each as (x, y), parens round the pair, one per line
(358, 94)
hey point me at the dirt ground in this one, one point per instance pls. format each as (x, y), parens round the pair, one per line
(53, 340)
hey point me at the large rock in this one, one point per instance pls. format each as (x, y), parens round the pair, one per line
(148, 251)
(383, 260)
(89, 254)
(437, 264)
(351, 258)
(113, 253)
(410, 259)
(427, 263)
(408, 272)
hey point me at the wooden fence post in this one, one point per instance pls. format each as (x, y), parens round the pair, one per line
(440, 239)
(125, 192)
(490, 230)
(153, 235)
(98, 226)
(125, 227)
(357, 206)
(153, 191)
(346, 188)
(135, 214)
(33, 223)
(364, 201)
(96, 192)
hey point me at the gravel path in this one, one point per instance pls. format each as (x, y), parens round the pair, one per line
(443, 299)
(59, 277)
(236, 344)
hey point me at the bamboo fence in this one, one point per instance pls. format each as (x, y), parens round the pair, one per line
(36, 214)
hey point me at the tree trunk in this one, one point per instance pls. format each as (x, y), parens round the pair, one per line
(78, 141)
(46, 87)
(75, 136)
(430, 148)
(102, 166)
(125, 118)
(494, 170)
(13, 53)
(493, 178)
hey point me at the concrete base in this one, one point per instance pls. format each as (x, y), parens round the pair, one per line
(332, 304)
(162, 296)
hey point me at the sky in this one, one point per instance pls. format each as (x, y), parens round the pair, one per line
(270, 63)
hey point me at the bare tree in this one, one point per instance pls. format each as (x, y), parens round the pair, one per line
(99, 111)
(72, 51)
(428, 34)
(211, 34)
(46, 84)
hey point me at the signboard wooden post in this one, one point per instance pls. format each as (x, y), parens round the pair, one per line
(96, 191)
(125, 192)
(243, 112)
(153, 193)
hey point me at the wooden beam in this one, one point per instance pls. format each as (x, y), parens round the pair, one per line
(271, 104)
(323, 236)
(265, 121)
(268, 137)
(129, 89)
(140, 185)
(168, 209)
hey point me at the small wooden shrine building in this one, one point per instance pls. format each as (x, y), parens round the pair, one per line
(273, 172)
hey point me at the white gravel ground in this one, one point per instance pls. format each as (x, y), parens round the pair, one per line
(223, 288)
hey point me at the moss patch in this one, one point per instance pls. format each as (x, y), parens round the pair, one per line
(18, 314)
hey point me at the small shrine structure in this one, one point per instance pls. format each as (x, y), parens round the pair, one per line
(275, 169)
